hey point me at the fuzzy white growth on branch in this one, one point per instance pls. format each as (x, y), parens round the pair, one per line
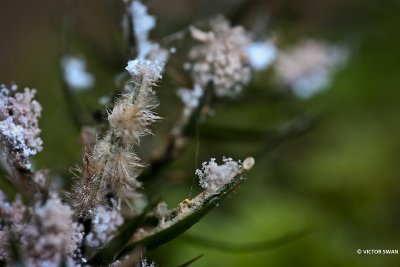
(12, 215)
(14, 212)
(104, 225)
(131, 261)
(144, 263)
(19, 130)
(150, 70)
(143, 23)
(4, 254)
(76, 74)
(213, 176)
(51, 236)
(190, 98)
(221, 59)
(261, 54)
(308, 67)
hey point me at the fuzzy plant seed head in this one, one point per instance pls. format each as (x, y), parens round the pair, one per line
(133, 115)
(112, 167)
(85, 194)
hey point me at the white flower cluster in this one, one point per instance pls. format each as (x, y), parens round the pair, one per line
(307, 68)
(19, 130)
(213, 176)
(221, 59)
(104, 225)
(75, 73)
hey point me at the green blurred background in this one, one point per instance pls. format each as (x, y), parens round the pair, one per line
(341, 178)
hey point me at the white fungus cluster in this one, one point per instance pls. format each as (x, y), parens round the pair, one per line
(144, 263)
(75, 72)
(14, 211)
(143, 23)
(147, 69)
(307, 67)
(104, 225)
(19, 130)
(4, 254)
(190, 97)
(51, 236)
(261, 54)
(130, 261)
(221, 58)
(12, 214)
(213, 176)
(48, 236)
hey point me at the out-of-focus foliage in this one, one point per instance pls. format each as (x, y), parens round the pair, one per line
(342, 178)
